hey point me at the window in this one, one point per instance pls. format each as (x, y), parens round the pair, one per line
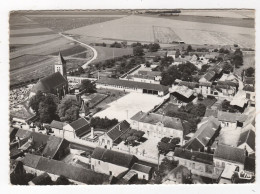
(98, 162)
(143, 176)
(110, 172)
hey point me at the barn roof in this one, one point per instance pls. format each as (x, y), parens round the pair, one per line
(113, 157)
(153, 118)
(115, 132)
(247, 137)
(133, 84)
(229, 153)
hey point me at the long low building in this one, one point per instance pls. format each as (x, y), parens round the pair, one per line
(132, 86)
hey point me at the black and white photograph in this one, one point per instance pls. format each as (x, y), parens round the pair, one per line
(132, 97)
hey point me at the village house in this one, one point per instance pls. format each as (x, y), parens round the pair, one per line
(132, 86)
(111, 162)
(48, 146)
(181, 94)
(42, 179)
(156, 125)
(57, 127)
(55, 83)
(199, 163)
(77, 129)
(247, 141)
(179, 175)
(81, 176)
(232, 120)
(112, 137)
(229, 156)
(143, 171)
(207, 131)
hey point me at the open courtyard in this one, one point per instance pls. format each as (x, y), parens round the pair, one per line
(127, 106)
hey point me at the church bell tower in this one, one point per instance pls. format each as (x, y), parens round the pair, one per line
(60, 66)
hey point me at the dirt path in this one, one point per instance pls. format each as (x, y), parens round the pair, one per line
(94, 50)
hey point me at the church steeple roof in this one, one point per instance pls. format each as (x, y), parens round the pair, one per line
(61, 60)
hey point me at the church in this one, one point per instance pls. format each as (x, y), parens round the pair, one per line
(56, 83)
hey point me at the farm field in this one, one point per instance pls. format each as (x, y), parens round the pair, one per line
(70, 51)
(165, 35)
(105, 53)
(61, 23)
(139, 28)
(25, 60)
(220, 13)
(239, 22)
(249, 61)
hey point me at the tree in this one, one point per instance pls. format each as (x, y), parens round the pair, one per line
(204, 68)
(47, 109)
(165, 167)
(35, 101)
(62, 180)
(189, 48)
(147, 64)
(138, 51)
(88, 86)
(81, 70)
(250, 72)
(237, 61)
(227, 67)
(177, 53)
(153, 47)
(68, 109)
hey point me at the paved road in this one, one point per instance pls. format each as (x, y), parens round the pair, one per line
(94, 50)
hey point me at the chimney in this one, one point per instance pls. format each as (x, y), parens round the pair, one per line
(92, 133)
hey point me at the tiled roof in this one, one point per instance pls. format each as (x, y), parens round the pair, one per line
(182, 90)
(249, 164)
(249, 88)
(141, 168)
(249, 80)
(42, 179)
(190, 85)
(23, 133)
(153, 118)
(231, 117)
(113, 157)
(118, 130)
(201, 157)
(50, 83)
(81, 127)
(31, 160)
(209, 75)
(247, 137)
(205, 84)
(57, 125)
(51, 143)
(229, 153)
(204, 134)
(211, 112)
(69, 171)
(133, 84)
(149, 73)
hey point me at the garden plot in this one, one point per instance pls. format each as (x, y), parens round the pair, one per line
(126, 107)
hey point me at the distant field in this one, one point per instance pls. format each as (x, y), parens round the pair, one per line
(70, 51)
(140, 28)
(220, 13)
(165, 35)
(61, 24)
(78, 12)
(25, 60)
(105, 53)
(247, 23)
